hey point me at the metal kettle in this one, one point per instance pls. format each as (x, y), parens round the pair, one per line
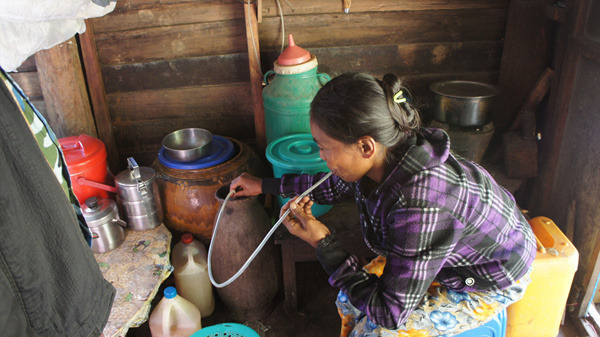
(137, 193)
(102, 217)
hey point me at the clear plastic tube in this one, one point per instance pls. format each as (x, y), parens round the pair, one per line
(263, 242)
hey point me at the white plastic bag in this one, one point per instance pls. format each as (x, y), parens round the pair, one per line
(27, 26)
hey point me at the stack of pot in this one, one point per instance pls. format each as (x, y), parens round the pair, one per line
(137, 194)
(463, 109)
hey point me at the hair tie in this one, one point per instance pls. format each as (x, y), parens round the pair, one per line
(399, 97)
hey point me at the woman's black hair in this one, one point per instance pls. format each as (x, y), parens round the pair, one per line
(354, 105)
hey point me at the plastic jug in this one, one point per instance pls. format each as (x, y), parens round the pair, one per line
(287, 97)
(174, 316)
(191, 277)
(540, 311)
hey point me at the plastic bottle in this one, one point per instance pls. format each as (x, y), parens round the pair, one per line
(174, 316)
(191, 276)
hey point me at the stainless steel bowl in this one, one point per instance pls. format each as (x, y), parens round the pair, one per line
(464, 103)
(187, 144)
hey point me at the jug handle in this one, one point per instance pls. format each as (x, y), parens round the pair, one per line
(323, 78)
(267, 75)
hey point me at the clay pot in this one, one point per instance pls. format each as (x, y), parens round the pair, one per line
(187, 196)
(243, 225)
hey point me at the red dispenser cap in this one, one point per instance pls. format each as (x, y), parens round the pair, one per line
(187, 238)
(293, 55)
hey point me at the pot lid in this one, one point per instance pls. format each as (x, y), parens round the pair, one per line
(82, 149)
(296, 151)
(293, 55)
(221, 149)
(98, 211)
(127, 179)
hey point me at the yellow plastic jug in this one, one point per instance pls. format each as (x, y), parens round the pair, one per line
(174, 316)
(540, 311)
(191, 276)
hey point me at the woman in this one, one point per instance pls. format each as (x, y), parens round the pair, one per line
(430, 214)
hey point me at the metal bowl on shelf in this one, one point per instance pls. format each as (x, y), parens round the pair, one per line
(187, 144)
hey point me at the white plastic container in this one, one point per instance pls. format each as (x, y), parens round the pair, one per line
(174, 316)
(191, 275)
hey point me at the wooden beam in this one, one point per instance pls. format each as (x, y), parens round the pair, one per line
(63, 85)
(97, 93)
(525, 56)
(255, 75)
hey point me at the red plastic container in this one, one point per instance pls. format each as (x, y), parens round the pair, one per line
(86, 163)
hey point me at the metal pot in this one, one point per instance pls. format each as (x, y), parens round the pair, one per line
(463, 103)
(138, 196)
(102, 217)
(187, 144)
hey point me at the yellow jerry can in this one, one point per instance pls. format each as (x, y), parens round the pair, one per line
(540, 311)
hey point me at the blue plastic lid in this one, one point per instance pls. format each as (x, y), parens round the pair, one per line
(221, 150)
(170, 292)
(342, 297)
(297, 151)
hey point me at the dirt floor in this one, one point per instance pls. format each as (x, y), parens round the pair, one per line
(316, 316)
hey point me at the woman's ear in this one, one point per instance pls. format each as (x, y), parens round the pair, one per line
(367, 146)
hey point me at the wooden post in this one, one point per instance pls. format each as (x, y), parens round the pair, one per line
(98, 95)
(255, 75)
(65, 92)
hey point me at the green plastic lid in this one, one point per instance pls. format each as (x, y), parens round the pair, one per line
(295, 152)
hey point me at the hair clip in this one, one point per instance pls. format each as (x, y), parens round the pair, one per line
(399, 97)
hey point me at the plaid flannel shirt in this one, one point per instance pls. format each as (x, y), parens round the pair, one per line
(435, 216)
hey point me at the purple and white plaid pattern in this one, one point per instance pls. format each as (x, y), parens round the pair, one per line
(435, 216)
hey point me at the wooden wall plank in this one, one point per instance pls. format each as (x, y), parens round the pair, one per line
(226, 101)
(30, 83)
(529, 39)
(97, 94)
(172, 42)
(329, 30)
(127, 16)
(65, 91)
(128, 135)
(207, 70)
(27, 65)
(319, 6)
(228, 37)
(405, 59)
(138, 14)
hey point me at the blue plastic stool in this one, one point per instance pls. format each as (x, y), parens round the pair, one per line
(496, 327)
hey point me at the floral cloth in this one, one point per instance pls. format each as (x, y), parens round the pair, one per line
(442, 312)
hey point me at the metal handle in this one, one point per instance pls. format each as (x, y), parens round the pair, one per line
(134, 170)
(120, 222)
(83, 181)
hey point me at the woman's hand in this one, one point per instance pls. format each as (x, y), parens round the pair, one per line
(246, 185)
(301, 223)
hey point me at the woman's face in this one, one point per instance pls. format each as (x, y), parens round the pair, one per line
(347, 161)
